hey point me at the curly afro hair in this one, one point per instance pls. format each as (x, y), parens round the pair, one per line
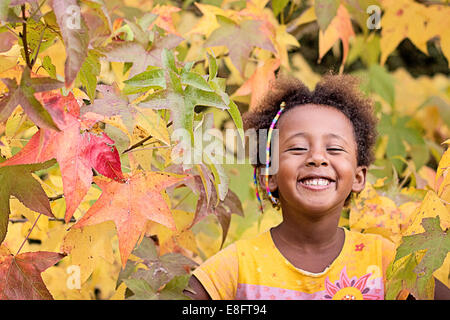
(337, 91)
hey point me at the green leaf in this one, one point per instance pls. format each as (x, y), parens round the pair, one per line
(195, 80)
(325, 11)
(17, 181)
(4, 8)
(141, 290)
(89, 72)
(400, 274)
(49, 66)
(436, 242)
(152, 78)
(212, 62)
(164, 277)
(278, 6)
(382, 83)
(237, 119)
(168, 60)
(175, 82)
(398, 130)
(38, 36)
(174, 288)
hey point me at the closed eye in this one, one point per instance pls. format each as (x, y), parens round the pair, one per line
(334, 149)
(296, 149)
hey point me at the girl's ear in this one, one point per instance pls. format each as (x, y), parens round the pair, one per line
(272, 181)
(359, 182)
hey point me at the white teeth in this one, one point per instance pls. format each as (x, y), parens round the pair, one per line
(316, 182)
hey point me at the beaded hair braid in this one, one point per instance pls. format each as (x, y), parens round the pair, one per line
(269, 138)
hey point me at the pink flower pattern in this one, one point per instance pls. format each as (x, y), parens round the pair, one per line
(345, 282)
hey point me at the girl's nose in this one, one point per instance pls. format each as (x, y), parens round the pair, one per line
(316, 158)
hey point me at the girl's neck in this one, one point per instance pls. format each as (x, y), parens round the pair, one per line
(309, 234)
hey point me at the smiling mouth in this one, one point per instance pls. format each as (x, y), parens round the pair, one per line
(316, 184)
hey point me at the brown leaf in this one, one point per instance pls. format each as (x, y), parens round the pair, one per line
(21, 274)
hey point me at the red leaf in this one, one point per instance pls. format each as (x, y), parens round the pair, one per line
(21, 274)
(77, 153)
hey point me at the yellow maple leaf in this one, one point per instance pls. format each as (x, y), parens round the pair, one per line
(87, 246)
(431, 206)
(409, 19)
(373, 213)
(284, 40)
(208, 22)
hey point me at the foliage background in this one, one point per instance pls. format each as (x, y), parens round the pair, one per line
(403, 66)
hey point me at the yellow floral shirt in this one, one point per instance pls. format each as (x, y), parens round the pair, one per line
(254, 269)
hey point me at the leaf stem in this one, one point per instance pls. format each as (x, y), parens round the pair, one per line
(28, 235)
(141, 142)
(38, 8)
(33, 61)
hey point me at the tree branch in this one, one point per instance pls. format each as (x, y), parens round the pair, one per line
(431, 2)
(23, 220)
(24, 38)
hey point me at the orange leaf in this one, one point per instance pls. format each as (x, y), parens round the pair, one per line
(339, 28)
(258, 83)
(130, 205)
(164, 19)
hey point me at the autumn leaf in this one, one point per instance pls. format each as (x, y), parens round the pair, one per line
(23, 95)
(156, 277)
(21, 274)
(409, 19)
(77, 153)
(139, 55)
(436, 242)
(443, 172)
(7, 40)
(74, 34)
(182, 101)
(240, 39)
(130, 205)
(87, 246)
(431, 207)
(17, 181)
(259, 82)
(339, 28)
(114, 103)
(325, 11)
(164, 20)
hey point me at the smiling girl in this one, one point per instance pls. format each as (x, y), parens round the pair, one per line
(323, 151)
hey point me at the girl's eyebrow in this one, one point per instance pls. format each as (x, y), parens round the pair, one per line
(334, 135)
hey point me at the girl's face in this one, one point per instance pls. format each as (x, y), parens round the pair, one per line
(317, 160)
